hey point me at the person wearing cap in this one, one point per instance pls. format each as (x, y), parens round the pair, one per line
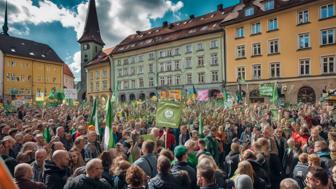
(181, 154)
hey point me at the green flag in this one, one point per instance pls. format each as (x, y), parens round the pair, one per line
(108, 135)
(200, 124)
(46, 134)
(168, 114)
(275, 95)
(94, 119)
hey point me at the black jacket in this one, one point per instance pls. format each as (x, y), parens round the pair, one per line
(261, 172)
(299, 174)
(183, 166)
(53, 176)
(167, 181)
(231, 163)
(84, 182)
(212, 186)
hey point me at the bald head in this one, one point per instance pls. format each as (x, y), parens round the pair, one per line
(61, 158)
(94, 168)
(40, 156)
(23, 171)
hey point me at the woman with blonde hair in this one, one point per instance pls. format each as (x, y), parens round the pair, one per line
(245, 168)
(314, 160)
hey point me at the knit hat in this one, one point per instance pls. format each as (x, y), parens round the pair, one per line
(180, 150)
(243, 182)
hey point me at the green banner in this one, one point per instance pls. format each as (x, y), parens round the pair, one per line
(266, 89)
(168, 114)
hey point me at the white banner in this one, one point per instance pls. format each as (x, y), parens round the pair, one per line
(70, 94)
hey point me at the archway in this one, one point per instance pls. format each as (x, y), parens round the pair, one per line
(152, 94)
(83, 96)
(131, 97)
(306, 95)
(123, 98)
(142, 96)
(255, 96)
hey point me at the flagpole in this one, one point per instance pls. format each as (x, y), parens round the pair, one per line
(166, 138)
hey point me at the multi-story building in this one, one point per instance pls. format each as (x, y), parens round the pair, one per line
(68, 77)
(91, 46)
(28, 69)
(99, 74)
(288, 42)
(174, 56)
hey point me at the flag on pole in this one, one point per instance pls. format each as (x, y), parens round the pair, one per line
(108, 135)
(168, 114)
(194, 93)
(200, 125)
(94, 120)
(203, 95)
(46, 134)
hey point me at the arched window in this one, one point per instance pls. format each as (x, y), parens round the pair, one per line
(306, 95)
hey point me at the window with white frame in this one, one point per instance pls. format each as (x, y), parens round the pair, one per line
(168, 66)
(133, 84)
(162, 81)
(162, 68)
(177, 65)
(201, 77)
(162, 54)
(169, 52)
(140, 58)
(240, 32)
(214, 44)
(126, 61)
(151, 56)
(257, 71)
(269, 5)
(214, 75)
(214, 59)
(169, 80)
(272, 24)
(150, 68)
(240, 53)
(118, 85)
(303, 17)
(199, 46)
(125, 72)
(140, 69)
(141, 82)
(304, 40)
(104, 85)
(119, 63)
(328, 64)
(188, 48)
(178, 80)
(249, 11)
(327, 11)
(273, 46)
(133, 70)
(189, 78)
(256, 49)
(188, 62)
(120, 72)
(304, 66)
(255, 28)
(97, 74)
(177, 51)
(132, 60)
(126, 84)
(241, 73)
(200, 61)
(97, 86)
(328, 36)
(275, 70)
(151, 82)
(104, 74)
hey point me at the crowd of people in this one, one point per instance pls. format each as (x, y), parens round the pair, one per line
(255, 146)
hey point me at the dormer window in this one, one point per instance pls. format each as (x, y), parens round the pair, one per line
(13, 50)
(269, 5)
(43, 55)
(249, 11)
(86, 46)
(32, 54)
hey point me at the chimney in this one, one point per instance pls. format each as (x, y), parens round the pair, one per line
(165, 24)
(138, 32)
(220, 7)
(192, 16)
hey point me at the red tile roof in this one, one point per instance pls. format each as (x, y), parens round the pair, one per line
(169, 32)
(67, 71)
(102, 57)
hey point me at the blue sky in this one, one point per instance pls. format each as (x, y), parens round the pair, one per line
(59, 23)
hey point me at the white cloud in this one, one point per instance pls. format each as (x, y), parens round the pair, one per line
(75, 65)
(117, 18)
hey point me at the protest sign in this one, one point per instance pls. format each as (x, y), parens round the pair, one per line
(168, 114)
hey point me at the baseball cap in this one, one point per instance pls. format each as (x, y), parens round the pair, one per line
(180, 150)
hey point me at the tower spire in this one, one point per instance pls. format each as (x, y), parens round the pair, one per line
(5, 25)
(91, 30)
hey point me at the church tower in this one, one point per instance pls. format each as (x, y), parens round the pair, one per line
(91, 44)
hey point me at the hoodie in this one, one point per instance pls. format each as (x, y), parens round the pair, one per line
(53, 176)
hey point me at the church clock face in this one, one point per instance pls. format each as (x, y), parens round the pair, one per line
(86, 46)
